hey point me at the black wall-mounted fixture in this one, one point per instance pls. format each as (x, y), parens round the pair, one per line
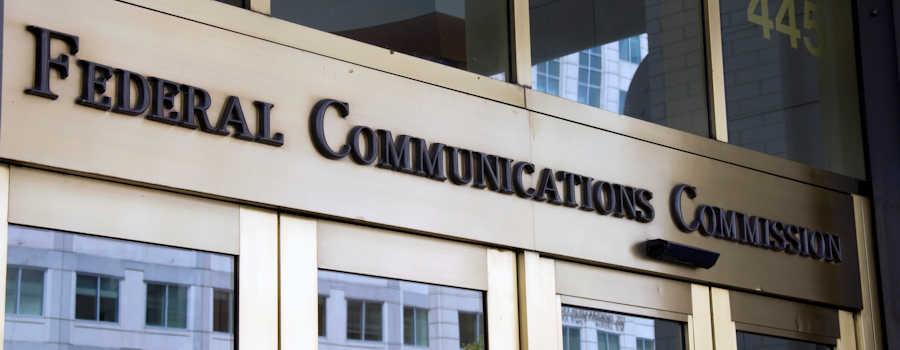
(680, 254)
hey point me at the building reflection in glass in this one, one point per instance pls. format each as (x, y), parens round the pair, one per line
(68, 291)
(357, 311)
(644, 59)
(594, 329)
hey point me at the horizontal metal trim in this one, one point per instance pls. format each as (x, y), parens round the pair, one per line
(631, 310)
(783, 333)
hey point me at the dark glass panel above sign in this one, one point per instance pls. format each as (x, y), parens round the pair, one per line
(790, 81)
(466, 34)
(644, 59)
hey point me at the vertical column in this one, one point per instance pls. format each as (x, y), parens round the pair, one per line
(848, 338)
(521, 34)
(299, 284)
(258, 280)
(715, 71)
(502, 309)
(724, 330)
(261, 6)
(700, 336)
(540, 318)
(868, 322)
(4, 226)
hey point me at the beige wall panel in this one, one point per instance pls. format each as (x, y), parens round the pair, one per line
(502, 308)
(383, 253)
(785, 315)
(327, 44)
(258, 280)
(701, 325)
(64, 135)
(225, 63)
(4, 237)
(580, 113)
(78, 204)
(299, 279)
(621, 287)
(562, 145)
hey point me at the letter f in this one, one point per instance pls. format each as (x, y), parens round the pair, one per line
(43, 63)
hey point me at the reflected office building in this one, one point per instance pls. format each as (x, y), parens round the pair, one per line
(357, 311)
(72, 291)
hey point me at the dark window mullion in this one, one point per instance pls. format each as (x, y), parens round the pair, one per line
(97, 308)
(18, 288)
(165, 320)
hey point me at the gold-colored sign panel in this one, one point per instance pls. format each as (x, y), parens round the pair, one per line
(62, 134)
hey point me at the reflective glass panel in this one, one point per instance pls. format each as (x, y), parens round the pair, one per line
(108, 299)
(381, 312)
(176, 307)
(752, 341)
(613, 331)
(86, 297)
(790, 81)
(31, 294)
(98, 295)
(156, 301)
(12, 289)
(222, 311)
(652, 50)
(466, 34)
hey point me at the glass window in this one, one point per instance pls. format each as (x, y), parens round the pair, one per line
(608, 341)
(91, 279)
(471, 330)
(222, 311)
(397, 312)
(322, 315)
(167, 305)
(238, 3)
(790, 81)
(415, 326)
(617, 331)
(653, 50)
(24, 291)
(466, 34)
(571, 338)
(644, 344)
(751, 341)
(96, 298)
(364, 320)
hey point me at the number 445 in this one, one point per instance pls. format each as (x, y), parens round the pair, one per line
(786, 22)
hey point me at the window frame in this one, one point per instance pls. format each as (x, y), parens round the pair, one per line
(98, 277)
(323, 316)
(415, 312)
(165, 308)
(362, 316)
(19, 269)
(230, 310)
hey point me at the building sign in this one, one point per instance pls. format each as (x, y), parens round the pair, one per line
(752, 230)
(216, 113)
(158, 98)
